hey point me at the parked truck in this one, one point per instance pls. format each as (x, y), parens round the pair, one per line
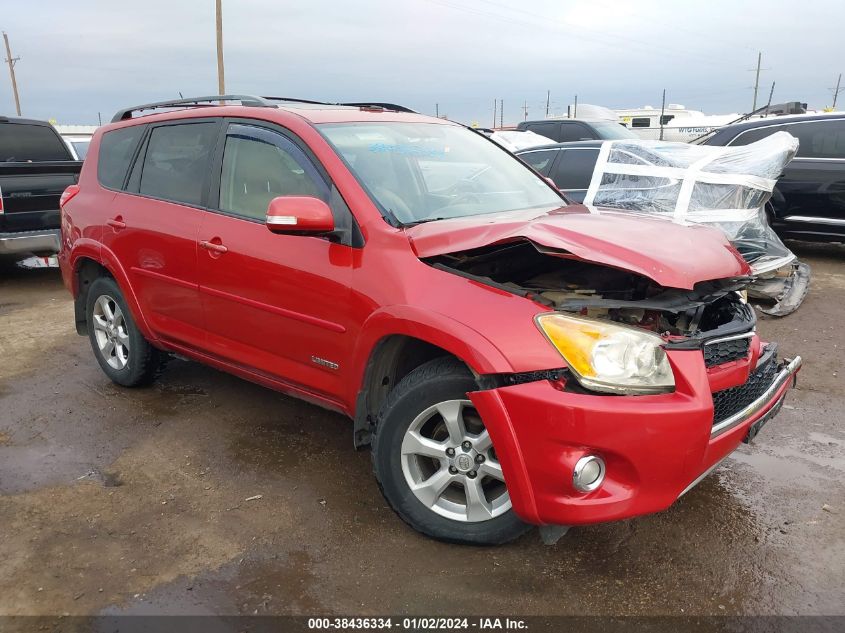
(36, 166)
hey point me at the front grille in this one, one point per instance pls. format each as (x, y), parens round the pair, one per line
(726, 351)
(729, 401)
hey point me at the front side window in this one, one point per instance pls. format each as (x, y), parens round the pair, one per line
(417, 172)
(259, 165)
(177, 161)
(25, 143)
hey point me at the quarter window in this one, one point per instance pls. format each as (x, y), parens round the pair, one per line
(259, 165)
(116, 150)
(177, 161)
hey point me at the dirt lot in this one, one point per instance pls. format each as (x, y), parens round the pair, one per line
(138, 501)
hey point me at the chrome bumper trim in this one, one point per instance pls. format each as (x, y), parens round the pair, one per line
(35, 241)
(785, 374)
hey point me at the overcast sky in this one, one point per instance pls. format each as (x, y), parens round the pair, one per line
(81, 57)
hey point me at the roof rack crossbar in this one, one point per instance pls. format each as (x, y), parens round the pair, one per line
(245, 100)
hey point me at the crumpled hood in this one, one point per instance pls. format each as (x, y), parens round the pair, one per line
(671, 254)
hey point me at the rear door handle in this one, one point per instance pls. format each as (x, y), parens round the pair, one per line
(214, 248)
(117, 223)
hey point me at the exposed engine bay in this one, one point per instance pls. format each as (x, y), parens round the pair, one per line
(565, 283)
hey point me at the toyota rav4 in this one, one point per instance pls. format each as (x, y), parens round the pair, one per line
(511, 358)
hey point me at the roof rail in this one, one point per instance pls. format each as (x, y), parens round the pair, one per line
(379, 104)
(246, 100)
(367, 104)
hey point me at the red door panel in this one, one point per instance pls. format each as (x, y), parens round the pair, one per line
(276, 302)
(156, 242)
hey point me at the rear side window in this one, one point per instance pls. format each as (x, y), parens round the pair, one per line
(540, 160)
(641, 122)
(575, 132)
(23, 143)
(177, 162)
(550, 129)
(116, 150)
(574, 168)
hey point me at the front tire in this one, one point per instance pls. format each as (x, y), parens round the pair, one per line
(435, 462)
(123, 353)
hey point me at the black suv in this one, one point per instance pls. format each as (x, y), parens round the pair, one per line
(809, 200)
(562, 130)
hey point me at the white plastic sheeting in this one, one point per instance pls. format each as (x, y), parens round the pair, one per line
(727, 187)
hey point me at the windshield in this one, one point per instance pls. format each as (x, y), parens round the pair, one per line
(610, 131)
(419, 172)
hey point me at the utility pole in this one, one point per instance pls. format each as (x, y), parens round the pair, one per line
(12, 61)
(575, 109)
(437, 110)
(501, 113)
(757, 80)
(495, 105)
(221, 78)
(525, 110)
(836, 91)
(548, 97)
(662, 110)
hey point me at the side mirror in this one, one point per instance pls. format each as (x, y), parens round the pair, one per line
(299, 214)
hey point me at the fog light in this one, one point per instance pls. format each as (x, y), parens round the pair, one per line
(588, 474)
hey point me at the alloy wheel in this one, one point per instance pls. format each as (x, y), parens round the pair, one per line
(111, 332)
(450, 465)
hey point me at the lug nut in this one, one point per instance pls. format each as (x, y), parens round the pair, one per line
(450, 451)
(466, 446)
(453, 470)
(479, 459)
(471, 474)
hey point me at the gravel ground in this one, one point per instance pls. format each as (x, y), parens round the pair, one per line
(205, 494)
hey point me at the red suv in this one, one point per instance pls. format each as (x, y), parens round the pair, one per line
(512, 359)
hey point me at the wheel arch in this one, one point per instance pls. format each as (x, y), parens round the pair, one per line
(86, 268)
(394, 343)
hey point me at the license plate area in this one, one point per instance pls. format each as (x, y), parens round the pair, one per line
(754, 429)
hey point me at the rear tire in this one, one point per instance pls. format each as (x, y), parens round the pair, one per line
(435, 462)
(123, 353)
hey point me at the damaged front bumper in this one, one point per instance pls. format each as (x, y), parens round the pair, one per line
(655, 447)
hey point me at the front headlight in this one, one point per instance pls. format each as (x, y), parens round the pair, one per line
(608, 357)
